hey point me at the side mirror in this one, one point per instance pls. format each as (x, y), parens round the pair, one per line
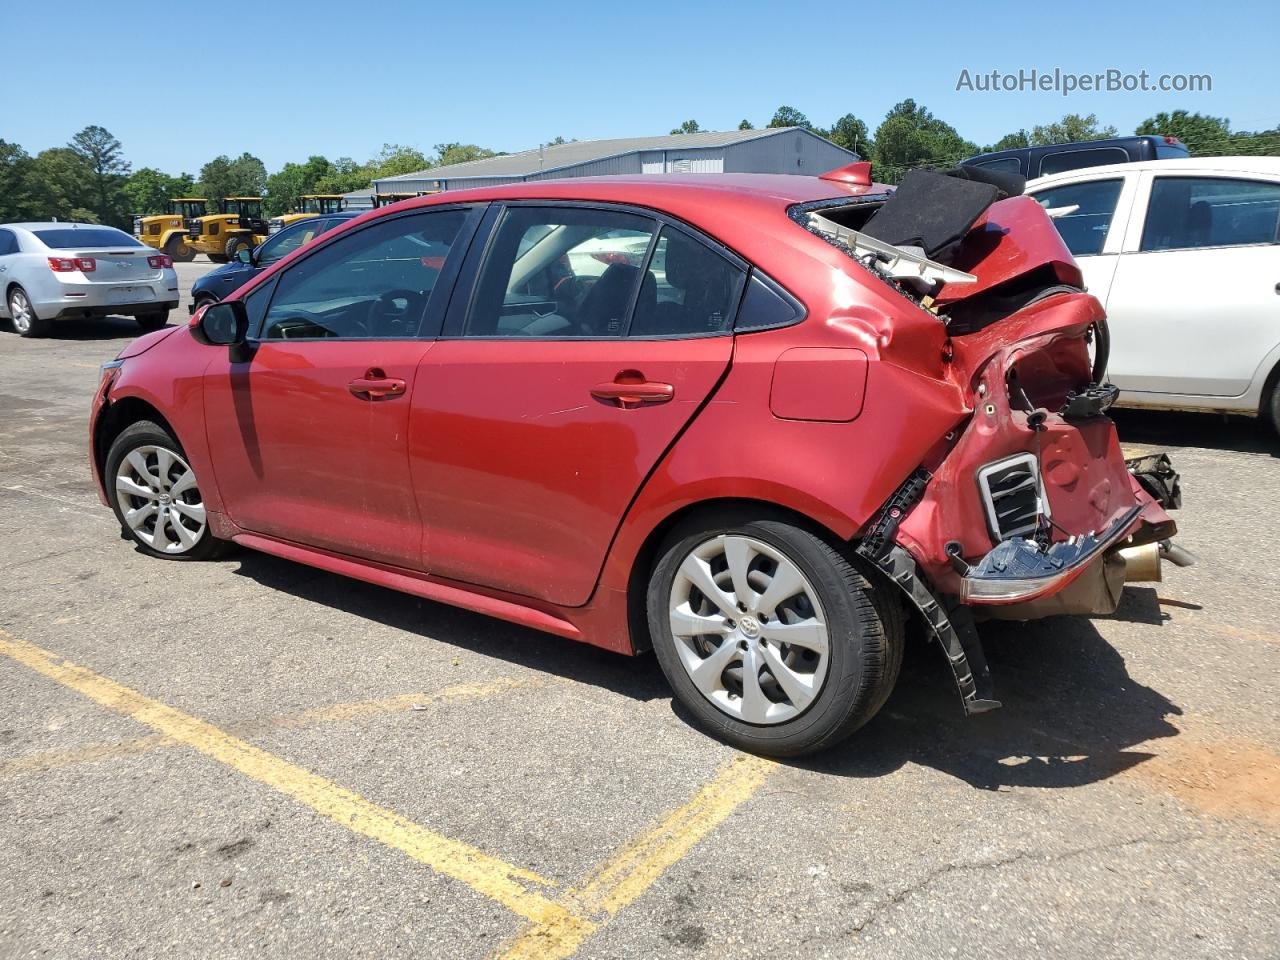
(244, 255)
(221, 324)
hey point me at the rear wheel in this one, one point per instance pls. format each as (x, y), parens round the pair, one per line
(1272, 408)
(156, 496)
(23, 315)
(235, 245)
(152, 321)
(770, 637)
(179, 250)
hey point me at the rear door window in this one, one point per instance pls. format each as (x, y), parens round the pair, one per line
(695, 290)
(562, 272)
(1189, 212)
(1007, 164)
(1078, 159)
(1082, 212)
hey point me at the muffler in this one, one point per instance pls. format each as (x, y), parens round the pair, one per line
(1142, 564)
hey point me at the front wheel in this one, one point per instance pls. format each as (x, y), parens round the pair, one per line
(235, 245)
(156, 496)
(769, 636)
(179, 250)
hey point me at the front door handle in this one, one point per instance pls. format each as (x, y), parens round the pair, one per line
(376, 385)
(629, 389)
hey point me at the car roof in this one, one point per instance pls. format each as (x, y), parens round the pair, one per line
(31, 226)
(1269, 165)
(721, 204)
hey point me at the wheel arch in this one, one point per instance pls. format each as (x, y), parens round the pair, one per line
(646, 556)
(115, 418)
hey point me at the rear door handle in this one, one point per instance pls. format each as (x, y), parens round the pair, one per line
(629, 389)
(376, 385)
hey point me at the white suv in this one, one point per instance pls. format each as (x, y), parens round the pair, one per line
(1185, 256)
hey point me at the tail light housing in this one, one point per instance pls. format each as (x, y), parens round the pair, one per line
(160, 262)
(72, 264)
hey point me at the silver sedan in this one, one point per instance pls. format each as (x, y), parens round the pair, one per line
(56, 271)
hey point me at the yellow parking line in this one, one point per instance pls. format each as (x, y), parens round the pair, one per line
(487, 875)
(348, 710)
(634, 868)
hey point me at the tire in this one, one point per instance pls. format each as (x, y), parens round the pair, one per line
(23, 315)
(235, 245)
(205, 300)
(1271, 407)
(179, 250)
(147, 466)
(152, 321)
(826, 696)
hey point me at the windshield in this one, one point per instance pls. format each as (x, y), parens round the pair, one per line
(69, 238)
(287, 241)
(244, 208)
(190, 209)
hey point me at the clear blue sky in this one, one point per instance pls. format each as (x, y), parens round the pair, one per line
(178, 83)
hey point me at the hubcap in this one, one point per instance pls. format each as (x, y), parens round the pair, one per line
(159, 500)
(749, 629)
(20, 311)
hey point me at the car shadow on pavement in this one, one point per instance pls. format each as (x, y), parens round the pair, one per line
(98, 328)
(637, 677)
(1070, 714)
(1211, 431)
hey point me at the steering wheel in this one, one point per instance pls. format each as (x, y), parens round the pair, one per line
(387, 319)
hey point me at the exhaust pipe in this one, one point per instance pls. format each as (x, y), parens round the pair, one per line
(1142, 564)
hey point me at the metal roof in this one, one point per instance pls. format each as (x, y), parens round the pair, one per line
(562, 155)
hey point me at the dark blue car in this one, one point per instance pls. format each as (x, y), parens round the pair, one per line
(216, 284)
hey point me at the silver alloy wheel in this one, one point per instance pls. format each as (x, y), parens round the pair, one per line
(749, 629)
(20, 311)
(159, 500)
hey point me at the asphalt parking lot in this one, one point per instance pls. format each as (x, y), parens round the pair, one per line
(251, 756)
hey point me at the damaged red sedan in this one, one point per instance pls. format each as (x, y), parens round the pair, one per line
(762, 425)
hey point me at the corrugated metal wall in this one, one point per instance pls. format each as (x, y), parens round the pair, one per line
(791, 152)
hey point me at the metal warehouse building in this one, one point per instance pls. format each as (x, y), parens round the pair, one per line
(772, 150)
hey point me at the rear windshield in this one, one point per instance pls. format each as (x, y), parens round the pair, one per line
(65, 238)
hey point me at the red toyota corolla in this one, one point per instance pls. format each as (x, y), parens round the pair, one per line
(760, 424)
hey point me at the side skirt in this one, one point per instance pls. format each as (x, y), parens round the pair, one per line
(412, 583)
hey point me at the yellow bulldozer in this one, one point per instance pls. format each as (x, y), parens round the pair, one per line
(168, 231)
(309, 205)
(237, 225)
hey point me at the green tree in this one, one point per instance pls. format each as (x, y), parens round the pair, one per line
(449, 153)
(395, 160)
(1071, 129)
(61, 186)
(911, 136)
(223, 177)
(293, 180)
(851, 133)
(344, 176)
(1010, 141)
(689, 126)
(745, 125)
(786, 116)
(147, 190)
(1201, 133)
(104, 156)
(17, 170)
